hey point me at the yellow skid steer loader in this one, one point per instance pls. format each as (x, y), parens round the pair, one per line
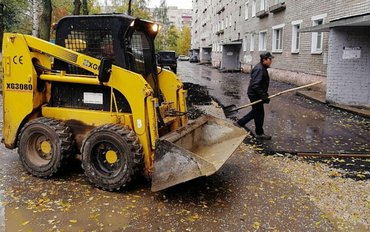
(99, 92)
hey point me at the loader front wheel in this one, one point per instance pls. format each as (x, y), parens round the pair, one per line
(44, 145)
(110, 156)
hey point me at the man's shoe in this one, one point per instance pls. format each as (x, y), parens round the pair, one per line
(263, 137)
(237, 124)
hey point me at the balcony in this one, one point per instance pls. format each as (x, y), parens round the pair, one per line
(261, 14)
(277, 7)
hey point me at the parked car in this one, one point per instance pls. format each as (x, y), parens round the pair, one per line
(183, 58)
(194, 59)
(167, 59)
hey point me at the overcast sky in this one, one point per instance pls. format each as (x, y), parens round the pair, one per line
(182, 4)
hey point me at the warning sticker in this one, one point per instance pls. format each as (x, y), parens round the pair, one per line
(93, 98)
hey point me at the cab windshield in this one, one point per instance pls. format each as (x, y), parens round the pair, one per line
(140, 53)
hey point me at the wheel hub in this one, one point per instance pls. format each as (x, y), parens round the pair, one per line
(111, 157)
(45, 147)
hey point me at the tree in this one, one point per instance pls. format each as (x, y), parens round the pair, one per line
(138, 8)
(160, 13)
(36, 13)
(168, 39)
(1, 22)
(159, 42)
(77, 7)
(184, 41)
(45, 24)
(14, 16)
(85, 8)
(172, 37)
(41, 18)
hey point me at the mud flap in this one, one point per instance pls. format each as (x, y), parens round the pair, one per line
(199, 149)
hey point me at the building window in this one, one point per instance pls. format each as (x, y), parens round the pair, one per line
(230, 21)
(245, 43)
(226, 22)
(277, 38)
(222, 24)
(317, 37)
(253, 8)
(240, 11)
(252, 43)
(246, 15)
(263, 5)
(296, 25)
(262, 41)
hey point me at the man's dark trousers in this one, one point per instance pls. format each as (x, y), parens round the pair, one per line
(257, 113)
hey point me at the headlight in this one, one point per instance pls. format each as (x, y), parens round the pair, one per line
(155, 27)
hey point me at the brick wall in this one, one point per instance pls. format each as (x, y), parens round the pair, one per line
(348, 80)
(304, 61)
(345, 8)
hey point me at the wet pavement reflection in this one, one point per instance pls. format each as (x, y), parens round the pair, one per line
(297, 125)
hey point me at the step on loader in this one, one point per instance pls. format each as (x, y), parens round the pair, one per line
(98, 92)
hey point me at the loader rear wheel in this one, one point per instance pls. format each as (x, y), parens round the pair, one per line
(111, 155)
(44, 145)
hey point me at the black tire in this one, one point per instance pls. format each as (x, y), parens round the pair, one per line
(44, 145)
(125, 159)
(174, 70)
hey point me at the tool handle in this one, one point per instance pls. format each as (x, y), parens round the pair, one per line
(275, 95)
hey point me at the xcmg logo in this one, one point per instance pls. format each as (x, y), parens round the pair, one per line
(89, 64)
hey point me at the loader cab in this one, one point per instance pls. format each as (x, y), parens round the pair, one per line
(127, 40)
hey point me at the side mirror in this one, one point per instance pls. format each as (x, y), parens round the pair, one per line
(105, 69)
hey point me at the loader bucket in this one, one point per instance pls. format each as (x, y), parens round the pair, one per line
(198, 149)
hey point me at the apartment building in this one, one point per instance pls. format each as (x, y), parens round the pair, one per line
(177, 17)
(311, 40)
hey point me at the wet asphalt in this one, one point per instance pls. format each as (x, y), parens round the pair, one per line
(244, 195)
(296, 124)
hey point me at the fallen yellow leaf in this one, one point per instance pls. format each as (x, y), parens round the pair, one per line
(256, 225)
(194, 217)
(25, 223)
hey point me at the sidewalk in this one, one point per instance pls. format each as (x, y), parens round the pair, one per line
(320, 97)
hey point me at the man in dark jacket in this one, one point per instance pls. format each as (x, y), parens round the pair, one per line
(258, 89)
